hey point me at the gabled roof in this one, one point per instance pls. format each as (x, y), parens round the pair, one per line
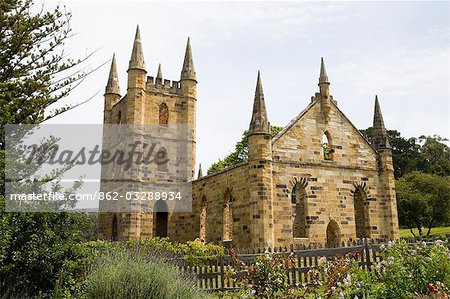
(292, 122)
(299, 116)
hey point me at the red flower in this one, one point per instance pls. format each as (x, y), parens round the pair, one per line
(432, 288)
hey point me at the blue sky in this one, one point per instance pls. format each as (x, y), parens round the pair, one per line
(398, 50)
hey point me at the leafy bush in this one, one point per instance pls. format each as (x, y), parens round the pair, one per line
(197, 253)
(409, 271)
(73, 270)
(332, 278)
(34, 247)
(265, 278)
(421, 271)
(126, 275)
(193, 253)
(92, 254)
(405, 272)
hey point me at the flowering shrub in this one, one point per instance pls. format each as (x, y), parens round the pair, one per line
(266, 277)
(438, 291)
(407, 271)
(332, 277)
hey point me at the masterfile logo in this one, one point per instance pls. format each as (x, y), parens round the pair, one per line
(108, 167)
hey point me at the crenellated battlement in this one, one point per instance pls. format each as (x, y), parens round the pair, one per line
(166, 86)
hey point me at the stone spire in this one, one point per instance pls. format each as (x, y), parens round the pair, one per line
(137, 56)
(323, 72)
(159, 75)
(380, 138)
(259, 122)
(112, 87)
(188, 71)
(200, 172)
(324, 84)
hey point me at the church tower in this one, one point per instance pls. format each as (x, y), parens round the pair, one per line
(380, 142)
(150, 102)
(188, 84)
(260, 172)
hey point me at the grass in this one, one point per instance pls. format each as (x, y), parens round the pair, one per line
(406, 233)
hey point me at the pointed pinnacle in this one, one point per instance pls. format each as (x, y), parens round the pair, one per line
(378, 121)
(137, 55)
(323, 72)
(159, 75)
(200, 173)
(188, 71)
(259, 122)
(380, 137)
(259, 89)
(112, 87)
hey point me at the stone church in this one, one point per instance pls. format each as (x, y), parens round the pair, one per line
(317, 181)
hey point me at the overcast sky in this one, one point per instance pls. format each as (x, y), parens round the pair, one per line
(398, 50)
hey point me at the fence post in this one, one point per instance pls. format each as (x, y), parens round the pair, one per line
(222, 274)
(366, 249)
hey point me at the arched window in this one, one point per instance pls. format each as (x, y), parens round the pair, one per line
(361, 213)
(203, 219)
(333, 234)
(227, 223)
(162, 159)
(114, 228)
(299, 211)
(327, 146)
(163, 114)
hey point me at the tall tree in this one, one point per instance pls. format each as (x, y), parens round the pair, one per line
(423, 200)
(35, 73)
(436, 155)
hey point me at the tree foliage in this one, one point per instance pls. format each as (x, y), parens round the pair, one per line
(428, 154)
(423, 200)
(35, 73)
(35, 247)
(436, 155)
(239, 155)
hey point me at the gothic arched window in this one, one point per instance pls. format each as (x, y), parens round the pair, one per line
(227, 220)
(299, 211)
(333, 234)
(362, 222)
(163, 114)
(327, 145)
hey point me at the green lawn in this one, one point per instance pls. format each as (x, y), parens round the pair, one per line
(405, 233)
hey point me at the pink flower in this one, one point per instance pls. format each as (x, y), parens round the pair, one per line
(432, 288)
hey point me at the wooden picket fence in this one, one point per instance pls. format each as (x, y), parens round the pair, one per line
(214, 275)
